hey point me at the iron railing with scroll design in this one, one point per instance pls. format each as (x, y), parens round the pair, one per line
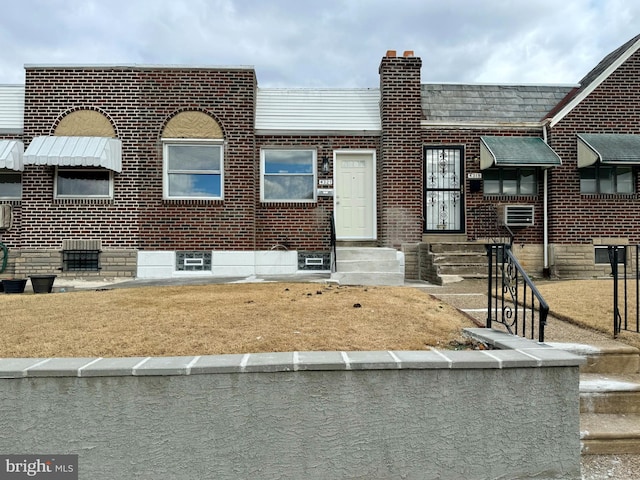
(513, 299)
(486, 224)
(627, 281)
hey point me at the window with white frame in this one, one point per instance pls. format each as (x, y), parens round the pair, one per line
(510, 181)
(606, 179)
(10, 185)
(193, 170)
(83, 182)
(287, 175)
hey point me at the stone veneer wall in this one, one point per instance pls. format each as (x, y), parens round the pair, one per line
(507, 413)
(113, 263)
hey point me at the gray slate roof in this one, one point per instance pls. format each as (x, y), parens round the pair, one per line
(490, 103)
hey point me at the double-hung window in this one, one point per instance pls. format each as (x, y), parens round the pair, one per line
(510, 181)
(606, 179)
(287, 175)
(193, 170)
(83, 183)
(10, 185)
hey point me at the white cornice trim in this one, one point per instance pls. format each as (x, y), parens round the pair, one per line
(433, 124)
(595, 84)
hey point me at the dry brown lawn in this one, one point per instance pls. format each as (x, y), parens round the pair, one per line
(589, 303)
(225, 318)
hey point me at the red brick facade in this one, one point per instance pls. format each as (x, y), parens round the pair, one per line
(575, 218)
(140, 101)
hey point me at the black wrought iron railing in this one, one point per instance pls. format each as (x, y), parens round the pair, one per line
(486, 224)
(333, 243)
(513, 302)
(626, 311)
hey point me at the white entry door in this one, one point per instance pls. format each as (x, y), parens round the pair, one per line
(355, 195)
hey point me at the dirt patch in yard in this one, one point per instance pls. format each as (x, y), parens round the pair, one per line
(225, 318)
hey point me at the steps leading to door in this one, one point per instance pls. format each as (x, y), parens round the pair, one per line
(369, 266)
(447, 261)
(609, 399)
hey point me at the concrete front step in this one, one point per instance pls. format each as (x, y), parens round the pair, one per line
(458, 247)
(609, 434)
(465, 271)
(389, 266)
(612, 359)
(460, 259)
(345, 254)
(369, 266)
(610, 394)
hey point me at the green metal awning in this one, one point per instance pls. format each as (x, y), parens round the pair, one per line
(516, 152)
(611, 148)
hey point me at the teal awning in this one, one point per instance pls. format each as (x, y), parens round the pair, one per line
(516, 152)
(612, 148)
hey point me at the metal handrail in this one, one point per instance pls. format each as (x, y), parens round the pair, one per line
(497, 232)
(512, 295)
(333, 242)
(621, 321)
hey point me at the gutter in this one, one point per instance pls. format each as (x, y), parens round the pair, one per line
(545, 248)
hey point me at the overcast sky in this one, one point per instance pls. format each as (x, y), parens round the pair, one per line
(323, 43)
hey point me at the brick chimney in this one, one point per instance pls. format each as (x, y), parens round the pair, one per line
(401, 163)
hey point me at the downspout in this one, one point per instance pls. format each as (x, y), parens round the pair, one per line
(546, 272)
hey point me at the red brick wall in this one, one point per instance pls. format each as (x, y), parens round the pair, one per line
(139, 102)
(400, 164)
(301, 226)
(477, 222)
(613, 107)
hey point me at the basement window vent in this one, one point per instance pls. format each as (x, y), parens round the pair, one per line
(310, 260)
(602, 255)
(193, 261)
(516, 215)
(314, 261)
(80, 260)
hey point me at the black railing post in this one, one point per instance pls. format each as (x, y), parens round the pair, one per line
(489, 248)
(613, 260)
(506, 276)
(333, 242)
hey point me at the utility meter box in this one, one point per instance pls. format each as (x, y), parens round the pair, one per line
(5, 216)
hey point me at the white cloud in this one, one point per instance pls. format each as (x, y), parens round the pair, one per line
(328, 43)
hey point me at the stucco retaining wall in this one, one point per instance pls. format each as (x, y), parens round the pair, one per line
(510, 413)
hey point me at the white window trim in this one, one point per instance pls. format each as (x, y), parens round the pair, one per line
(166, 143)
(87, 169)
(314, 168)
(11, 172)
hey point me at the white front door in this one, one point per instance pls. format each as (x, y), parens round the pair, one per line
(355, 194)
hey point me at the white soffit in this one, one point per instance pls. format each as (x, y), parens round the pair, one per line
(11, 152)
(75, 151)
(305, 110)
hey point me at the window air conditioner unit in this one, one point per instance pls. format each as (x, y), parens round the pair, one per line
(5, 216)
(516, 215)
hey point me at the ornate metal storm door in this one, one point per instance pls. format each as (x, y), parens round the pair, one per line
(444, 190)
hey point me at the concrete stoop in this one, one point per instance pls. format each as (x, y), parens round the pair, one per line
(609, 399)
(453, 261)
(609, 434)
(369, 266)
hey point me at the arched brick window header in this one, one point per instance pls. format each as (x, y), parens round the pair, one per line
(192, 124)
